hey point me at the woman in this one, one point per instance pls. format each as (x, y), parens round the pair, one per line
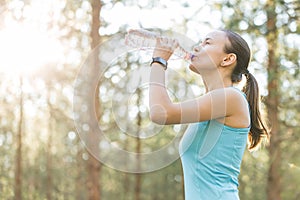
(222, 120)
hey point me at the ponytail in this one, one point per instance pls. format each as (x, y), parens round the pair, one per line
(259, 131)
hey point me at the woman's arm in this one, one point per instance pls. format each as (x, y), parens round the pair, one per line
(213, 105)
(217, 104)
(159, 100)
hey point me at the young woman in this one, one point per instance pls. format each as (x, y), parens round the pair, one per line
(222, 120)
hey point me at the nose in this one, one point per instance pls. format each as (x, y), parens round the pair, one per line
(196, 48)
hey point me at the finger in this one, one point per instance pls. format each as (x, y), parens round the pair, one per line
(164, 41)
(175, 44)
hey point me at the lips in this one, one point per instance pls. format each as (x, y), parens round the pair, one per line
(193, 57)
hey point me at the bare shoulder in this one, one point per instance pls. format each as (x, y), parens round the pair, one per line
(230, 93)
(237, 96)
(237, 108)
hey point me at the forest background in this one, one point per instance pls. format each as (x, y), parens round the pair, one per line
(44, 45)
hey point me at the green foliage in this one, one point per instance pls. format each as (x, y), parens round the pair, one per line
(54, 157)
(253, 175)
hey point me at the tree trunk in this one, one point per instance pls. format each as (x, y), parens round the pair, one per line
(93, 165)
(138, 175)
(138, 150)
(18, 169)
(93, 183)
(274, 176)
(49, 154)
(126, 180)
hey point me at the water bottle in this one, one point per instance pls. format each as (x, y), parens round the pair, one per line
(143, 39)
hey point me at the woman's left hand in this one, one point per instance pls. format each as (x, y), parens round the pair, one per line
(165, 47)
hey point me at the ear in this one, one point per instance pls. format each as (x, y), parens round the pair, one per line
(228, 60)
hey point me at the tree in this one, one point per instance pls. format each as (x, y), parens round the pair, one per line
(93, 165)
(274, 174)
(18, 164)
(138, 181)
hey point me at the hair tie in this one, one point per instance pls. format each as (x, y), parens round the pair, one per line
(246, 72)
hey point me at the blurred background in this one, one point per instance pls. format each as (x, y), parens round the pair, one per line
(43, 44)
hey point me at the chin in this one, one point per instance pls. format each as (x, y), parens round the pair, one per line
(193, 69)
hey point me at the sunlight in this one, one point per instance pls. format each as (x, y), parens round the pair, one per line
(23, 49)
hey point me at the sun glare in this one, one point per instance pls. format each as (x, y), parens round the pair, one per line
(24, 49)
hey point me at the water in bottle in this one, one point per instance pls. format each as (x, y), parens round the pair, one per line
(143, 39)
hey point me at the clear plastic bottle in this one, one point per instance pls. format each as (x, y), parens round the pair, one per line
(143, 39)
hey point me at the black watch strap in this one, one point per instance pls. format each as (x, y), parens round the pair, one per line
(161, 61)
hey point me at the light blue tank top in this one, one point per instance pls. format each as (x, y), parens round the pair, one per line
(211, 155)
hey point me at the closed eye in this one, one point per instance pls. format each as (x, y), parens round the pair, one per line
(206, 41)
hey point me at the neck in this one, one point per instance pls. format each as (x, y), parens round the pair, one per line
(216, 81)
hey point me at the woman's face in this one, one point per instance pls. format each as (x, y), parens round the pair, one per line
(209, 54)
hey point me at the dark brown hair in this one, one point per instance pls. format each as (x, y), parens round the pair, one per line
(259, 131)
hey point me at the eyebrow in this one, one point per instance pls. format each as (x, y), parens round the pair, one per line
(208, 38)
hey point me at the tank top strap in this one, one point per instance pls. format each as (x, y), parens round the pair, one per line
(237, 89)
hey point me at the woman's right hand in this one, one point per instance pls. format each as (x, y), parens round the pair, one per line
(165, 47)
